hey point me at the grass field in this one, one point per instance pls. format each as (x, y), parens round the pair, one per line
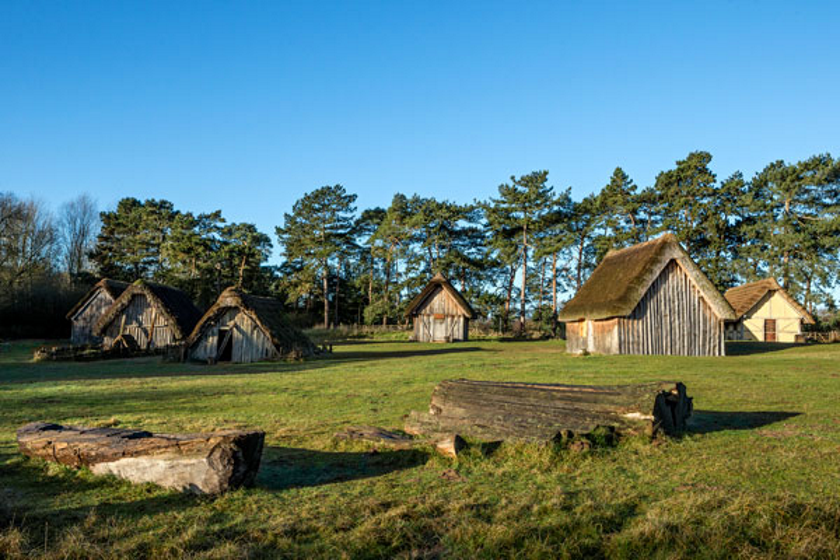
(759, 476)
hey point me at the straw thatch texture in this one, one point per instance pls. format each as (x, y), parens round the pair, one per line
(623, 277)
(744, 298)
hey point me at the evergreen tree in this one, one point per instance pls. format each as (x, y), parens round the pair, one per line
(315, 234)
(522, 207)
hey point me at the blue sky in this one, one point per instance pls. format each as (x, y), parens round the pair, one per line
(245, 106)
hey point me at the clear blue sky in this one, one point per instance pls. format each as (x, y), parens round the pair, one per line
(246, 106)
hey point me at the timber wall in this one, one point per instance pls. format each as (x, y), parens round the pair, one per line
(81, 330)
(672, 318)
(440, 319)
(144, 322)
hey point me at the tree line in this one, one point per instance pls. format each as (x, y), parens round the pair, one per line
(516, 255)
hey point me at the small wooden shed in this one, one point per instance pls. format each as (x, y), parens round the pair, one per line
(650, 298)
(148, 316)
(440, 313)
(87, 311)
(765, 312)
(241, 327)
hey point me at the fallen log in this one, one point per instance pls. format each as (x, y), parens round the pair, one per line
(449, 445)
(209, 463)
(497, 411)
(381, 436)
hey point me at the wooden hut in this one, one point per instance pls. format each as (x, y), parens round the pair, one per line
(765, 312)
(242, 327)
(87, 311)
(647, 299)
(148, 316)
(440, 313)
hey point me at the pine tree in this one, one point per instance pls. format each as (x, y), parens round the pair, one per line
(316, 231)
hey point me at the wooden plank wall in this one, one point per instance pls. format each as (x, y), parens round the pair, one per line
(81, 331)
(672, 318)
(144, 322)
(250, 343)
(455, 325)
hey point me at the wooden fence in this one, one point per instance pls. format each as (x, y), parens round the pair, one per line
(823, 337)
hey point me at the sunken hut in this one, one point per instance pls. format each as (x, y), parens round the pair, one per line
(87, 311)
(765, 312)
(148, 316)
(241, 327)
(440, 313)
(650, 298)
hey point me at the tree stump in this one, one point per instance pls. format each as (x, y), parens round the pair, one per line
(495, 411)
(209, 463)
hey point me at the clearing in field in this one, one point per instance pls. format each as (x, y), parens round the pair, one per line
(758, 475)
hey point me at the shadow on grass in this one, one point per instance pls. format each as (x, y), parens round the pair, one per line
(145, 367)
(289, 467)
(746, 348)
(407, 353)
(708, 421)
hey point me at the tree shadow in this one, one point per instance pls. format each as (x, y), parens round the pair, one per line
(148, 367)
(708, 421)
(407, 353)
(748, 348)
(289, 467)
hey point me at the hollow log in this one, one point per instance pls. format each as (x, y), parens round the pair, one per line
(209, 463)
(497, 411)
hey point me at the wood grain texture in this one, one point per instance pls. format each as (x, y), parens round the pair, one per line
(199, 463)
(494, 411)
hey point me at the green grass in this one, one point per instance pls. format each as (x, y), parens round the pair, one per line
(759, 476)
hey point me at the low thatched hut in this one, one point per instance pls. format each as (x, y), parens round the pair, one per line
(148, 316)
(87, 311)
(650, 298)
(765, 312)
(242, 327)
(440, 313)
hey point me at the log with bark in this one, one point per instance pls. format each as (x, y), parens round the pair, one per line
(209, 463)
(497, 411)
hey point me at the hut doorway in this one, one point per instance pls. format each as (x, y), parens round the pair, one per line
(224, 350)
(769, 330)
(439, 333)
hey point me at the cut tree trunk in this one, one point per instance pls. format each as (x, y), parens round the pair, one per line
(209, 463)
(496, 411)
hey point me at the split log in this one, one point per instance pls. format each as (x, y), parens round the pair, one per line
(497, 411)
(381, 436)
(449, 445)
(209, 463)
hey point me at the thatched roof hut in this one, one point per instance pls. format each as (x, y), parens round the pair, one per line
(440, 313)
(241, 327)
(650, 298)
(149, 316)
(765, 312)
(87, 311)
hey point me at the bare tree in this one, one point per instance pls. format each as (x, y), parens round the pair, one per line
(78, 226)
(27, 241)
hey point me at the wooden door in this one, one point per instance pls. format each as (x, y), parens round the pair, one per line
(769, 330)
(439, 329)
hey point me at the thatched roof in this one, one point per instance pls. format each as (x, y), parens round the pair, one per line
(112, 287)
(440, 281)
(267, 313)
(743, 298)
(177, 307)
(623, 277)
